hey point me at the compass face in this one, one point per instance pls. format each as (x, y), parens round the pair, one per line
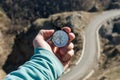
(60, 38)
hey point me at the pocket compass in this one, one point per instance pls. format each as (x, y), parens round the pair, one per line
(60, 38)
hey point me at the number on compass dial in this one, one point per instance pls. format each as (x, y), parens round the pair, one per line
(60, 38)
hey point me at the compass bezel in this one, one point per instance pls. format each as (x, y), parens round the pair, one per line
(64, 34)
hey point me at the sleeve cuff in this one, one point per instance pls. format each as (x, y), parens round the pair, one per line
(56, 62)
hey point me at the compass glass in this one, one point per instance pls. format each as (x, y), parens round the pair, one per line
(60, 38)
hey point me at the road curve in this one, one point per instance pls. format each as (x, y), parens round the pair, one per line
(91, 48)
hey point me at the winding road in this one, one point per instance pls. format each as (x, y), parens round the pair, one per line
(88, 61)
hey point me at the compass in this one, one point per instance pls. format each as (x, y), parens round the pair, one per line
(60, 38)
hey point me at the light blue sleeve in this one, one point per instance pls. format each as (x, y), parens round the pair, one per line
(43, 65)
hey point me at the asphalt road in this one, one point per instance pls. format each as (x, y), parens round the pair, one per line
(88, 61)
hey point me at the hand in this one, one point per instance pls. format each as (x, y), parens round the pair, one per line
(64, 54)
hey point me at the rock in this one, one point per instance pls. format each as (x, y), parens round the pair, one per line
(106, 29)
(118, 48)
(116, 0)
(4, 22)
(102, 61)
(24, 13)
(102, 4)
(5, 40)
(108, 74)
(116, 28)
(115, 4)
(2, 74)
(115, 39)
(109, 51)
(87, 4)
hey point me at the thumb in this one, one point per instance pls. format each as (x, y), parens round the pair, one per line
(46, 34)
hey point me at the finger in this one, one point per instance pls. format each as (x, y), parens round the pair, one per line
(50, 43)
(68, 56)
(67, 29)
(66, 65)
(70, 46)
(71, 37)
(65, 49)
(46, 34)
(54, 48)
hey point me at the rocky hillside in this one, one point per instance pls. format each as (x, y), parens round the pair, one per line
(20, 21)
(26, 11)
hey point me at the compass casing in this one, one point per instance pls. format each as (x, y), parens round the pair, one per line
(60, 38)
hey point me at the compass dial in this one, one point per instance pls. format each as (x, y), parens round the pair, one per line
(60, 38)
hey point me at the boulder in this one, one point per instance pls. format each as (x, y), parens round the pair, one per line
(116, 28)
(118, 48)
(101, 5)
(106, 28)
(6, 41)
(115, 4)
(115, 39)
(2, 74)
